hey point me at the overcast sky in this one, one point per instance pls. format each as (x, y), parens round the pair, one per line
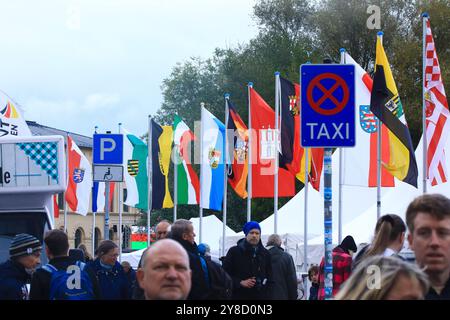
(81, 63)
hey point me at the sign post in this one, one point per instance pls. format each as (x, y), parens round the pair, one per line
(328, 121)
(108, 159)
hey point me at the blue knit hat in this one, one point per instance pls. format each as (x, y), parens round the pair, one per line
(24, 244)
(250, 226)
(203, 249)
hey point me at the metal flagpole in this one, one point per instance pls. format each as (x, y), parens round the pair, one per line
(424, 117)
(120, 209)
(249, 157)
(93, 219)
(277, 130)
(379, 132)
(341, 173)
(175, 182)
(225, 175)
(68, 177)
(305, 218)
(150, 178)
(202, 105)
(106, 227)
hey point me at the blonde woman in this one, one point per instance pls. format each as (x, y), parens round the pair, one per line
(385, 278)
(388, 239)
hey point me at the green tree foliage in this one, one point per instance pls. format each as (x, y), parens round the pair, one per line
(292, 32)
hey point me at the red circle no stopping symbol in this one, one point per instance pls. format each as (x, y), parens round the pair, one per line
(327, 94)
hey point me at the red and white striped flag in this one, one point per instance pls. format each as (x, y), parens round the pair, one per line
(437, 113)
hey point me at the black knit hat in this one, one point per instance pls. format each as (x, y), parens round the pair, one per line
(24, 244)
(348, 244)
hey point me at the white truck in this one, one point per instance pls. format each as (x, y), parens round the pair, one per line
(32, 170)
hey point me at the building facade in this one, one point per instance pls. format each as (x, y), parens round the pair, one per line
(80, 229)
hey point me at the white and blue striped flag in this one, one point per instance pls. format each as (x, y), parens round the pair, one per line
(212, 170)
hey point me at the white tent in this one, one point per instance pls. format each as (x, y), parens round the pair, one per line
(133, 257)
(395, 201)
(212, 229)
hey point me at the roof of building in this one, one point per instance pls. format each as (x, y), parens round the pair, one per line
(41, 130)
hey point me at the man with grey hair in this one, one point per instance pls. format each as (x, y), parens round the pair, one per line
(162, 229)
(182, 231)
(283, 271)
(165, 272)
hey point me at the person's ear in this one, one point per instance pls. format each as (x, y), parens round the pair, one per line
(47, 252)
(140, 277)
(411, 241)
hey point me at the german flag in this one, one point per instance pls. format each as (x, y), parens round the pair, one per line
(385, 103)
(161, 150)
(237, 170)
(292, 155)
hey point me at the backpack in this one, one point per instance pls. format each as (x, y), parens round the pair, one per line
(221, 284)
(64, 284)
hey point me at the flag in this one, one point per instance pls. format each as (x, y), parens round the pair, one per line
(55, 206)
(437, 113)
(135, 153)
(80, 179)
(161, 150)
(264, 151)
(237, 167)
(360, 163)
(211, 165)
(12, 124)
(386, 105)
(188, 184)
(98, 196)
(292, 155)
(315, 173)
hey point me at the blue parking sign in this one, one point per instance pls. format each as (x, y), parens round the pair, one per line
(108, 149)
(327, 105)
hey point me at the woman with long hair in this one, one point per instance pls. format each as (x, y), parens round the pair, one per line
(385, 278)
(388, 240)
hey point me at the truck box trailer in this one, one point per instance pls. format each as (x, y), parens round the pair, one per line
(32, 170)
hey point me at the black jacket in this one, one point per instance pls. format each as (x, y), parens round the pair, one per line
(243, 262)
(13, 281)
(40, 283)
(200, 287)
(283, 275)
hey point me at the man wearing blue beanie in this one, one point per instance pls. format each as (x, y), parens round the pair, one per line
(249, 265)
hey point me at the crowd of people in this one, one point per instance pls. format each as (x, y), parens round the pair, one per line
(176, 268)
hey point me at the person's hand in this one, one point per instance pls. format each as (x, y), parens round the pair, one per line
(248, 283)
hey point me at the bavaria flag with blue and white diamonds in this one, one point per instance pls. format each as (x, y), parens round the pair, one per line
(212, 170)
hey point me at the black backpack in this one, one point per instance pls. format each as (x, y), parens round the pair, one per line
(221, 284)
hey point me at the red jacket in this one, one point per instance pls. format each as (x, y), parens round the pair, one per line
(342, 267)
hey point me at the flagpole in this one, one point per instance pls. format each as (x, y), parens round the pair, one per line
(120, 209)
(379, 131)
(93, 217)
(175, 182)
(202, 105)
(424, 116)
(305, 218)
(67, 179)
(277, 128)
(150, 177)
(225, 175)
(341, 175)
(249, 150)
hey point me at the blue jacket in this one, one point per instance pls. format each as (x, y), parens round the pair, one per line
(113, 282)
(13, 280)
